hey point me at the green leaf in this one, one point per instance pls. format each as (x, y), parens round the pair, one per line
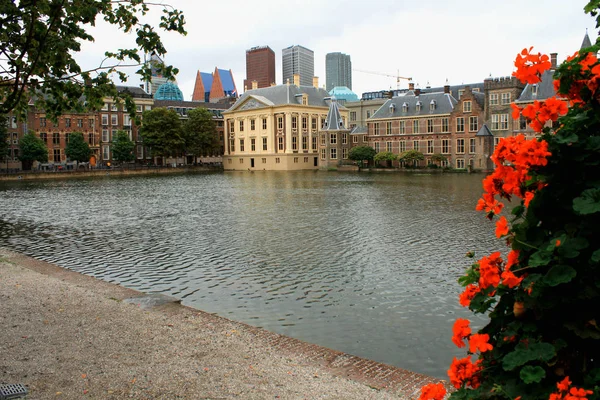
(595, 256)
(570, 138)
(523, 354)
(531, 374)
(540, 257)
(570, 247)
(588, 202)
(559, 274)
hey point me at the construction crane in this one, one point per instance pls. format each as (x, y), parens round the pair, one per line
(397, 76)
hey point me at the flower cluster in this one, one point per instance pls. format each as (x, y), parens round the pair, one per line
(530, 67)
(540, 112)
(574, 393)
(583, 80)
(463, 372)
(433, 391)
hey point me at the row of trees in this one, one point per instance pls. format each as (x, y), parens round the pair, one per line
(367, 153)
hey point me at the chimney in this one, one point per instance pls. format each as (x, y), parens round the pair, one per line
(553, 60)
(418, 90)
(411, 85)
(316, 82)
(447, 87)
(297, 79)
(254, 84)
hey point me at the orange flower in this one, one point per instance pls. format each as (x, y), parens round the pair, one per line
(501, 227)
(530, 67)
(587, 62)
(511, 280)
(464, 372)
(516, 111)
(557, 242)
(555, 396)
(479, 342)
(578, 394)
(528, 198)
(460, 331)
(563, 385)
(465, 297)
(489, 270)
(433, 391)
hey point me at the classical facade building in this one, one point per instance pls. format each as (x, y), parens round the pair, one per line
(298, 60)
(338, 70)
(260, 67)
(276, 128)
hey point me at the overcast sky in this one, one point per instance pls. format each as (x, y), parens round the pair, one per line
(462, 41)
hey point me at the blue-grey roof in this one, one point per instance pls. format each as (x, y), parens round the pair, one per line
(586, 41)
(360, 130)
(207, 80)
(334, 121)
(343, 93)
(406, 105)
(545, 89)
(484, 131)
(227, 81)
(281, 95)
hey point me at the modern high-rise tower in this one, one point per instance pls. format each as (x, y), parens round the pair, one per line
(298, 60)
(260, 67)
(338, 70)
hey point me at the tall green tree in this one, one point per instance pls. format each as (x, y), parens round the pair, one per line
(39, 41)
(32, 149)
(162, 131)
(385, 156)
(411, 156)
(122, 147)
(362, 153)
(200, 132)
(3, 138)
(78, 149)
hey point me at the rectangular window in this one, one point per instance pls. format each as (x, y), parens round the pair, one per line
(264, 140)
(113, 107)
(353, 116)
(314, 143)
(105, 107)
(231, 145)
(264, 124)
(472, 145)
(241, 160)
(44, 137)
(263, 160)
(138, 108)
(460, 93)
(467, 106)
(105, 135)
(354, 139)
(365, 139)
(388, 128)
(493, 99)
(344, 153)
(503, 122)
(460, 124)
(126, 120)
(294, 122)
(430, 147)
(416, 126)
(495, 122)
(304, 123)
(473, 124)
(113, 119)
(313, 124)
(323, 154)
(43, 122)
(460, 163)
(333, 138)
(140, 152)
(295, 160)
(253, 144)
(55, 138)
(241, 144)
(294, 143)
(68, 122)
(79, 122)
(460, 146)
(280, 143)
(376, 129)
(231, 127)
(402, 148)
(56, 154)
(252, 125)
(416, 145)
(522, 123)
(277, 160)
(333, 152)
(304, 143)
(445, 125)
(430, 125)
(279, 122)
(368, 114)
(402, 127)
(105, 152)
(505, 99)
(323, 140)
(241, 126)
(104, 119)
(376, 144)
(90, 138)
(445, 146)
(67, 137)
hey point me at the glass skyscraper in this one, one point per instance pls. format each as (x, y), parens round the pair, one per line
(338, 70)
(298, 60)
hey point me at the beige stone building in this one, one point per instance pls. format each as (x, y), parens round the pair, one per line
(276, 128)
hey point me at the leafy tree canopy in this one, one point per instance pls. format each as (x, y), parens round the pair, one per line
(122, 147)
(200, 132)
(162, 132)
(39, 40)
(32, 149)
(3, 138)
(77, 149)
(385, 156)
(411, 155)
(361, 153)
(437, 158)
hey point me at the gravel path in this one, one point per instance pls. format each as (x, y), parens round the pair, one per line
(68, 336)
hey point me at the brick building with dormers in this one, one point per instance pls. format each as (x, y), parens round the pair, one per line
(334, 137)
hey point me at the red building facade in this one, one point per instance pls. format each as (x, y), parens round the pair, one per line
(260, 67)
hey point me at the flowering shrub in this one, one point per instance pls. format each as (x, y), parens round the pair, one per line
(543, 301)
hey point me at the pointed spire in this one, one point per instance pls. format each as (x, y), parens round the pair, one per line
(334, 121)
(216, 91)
(586, 41)
(198, 94)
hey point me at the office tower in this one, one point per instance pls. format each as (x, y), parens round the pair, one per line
(260, 67)
(338, 70)
(298, 60)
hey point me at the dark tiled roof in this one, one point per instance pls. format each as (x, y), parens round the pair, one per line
(334, 121)
(359, 130)
(135, 91)
(394, 108)
(286, 94)
(484, 131)
(586, 41)
(479, 98)
(545, 89)
(190, 104)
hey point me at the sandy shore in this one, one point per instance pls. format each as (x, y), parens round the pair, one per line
(69, 336)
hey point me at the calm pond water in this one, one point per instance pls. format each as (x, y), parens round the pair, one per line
(362, 263)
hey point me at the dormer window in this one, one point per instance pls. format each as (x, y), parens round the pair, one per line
(304, 99)
(534, 90)
(404, 107)
(392, 108)
(432, 105)
(419, 104)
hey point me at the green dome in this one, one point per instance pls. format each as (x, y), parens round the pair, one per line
(168, 91)
(343, 93)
